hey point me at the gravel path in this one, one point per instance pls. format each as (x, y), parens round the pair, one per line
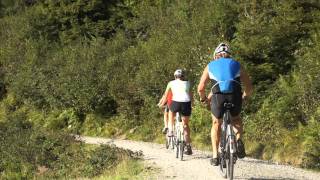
(197, 165)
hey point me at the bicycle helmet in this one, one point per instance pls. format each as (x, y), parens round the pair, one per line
(222, 48)
(178, 73)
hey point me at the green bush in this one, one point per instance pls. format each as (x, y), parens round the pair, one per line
(106, 157)
(26, 148)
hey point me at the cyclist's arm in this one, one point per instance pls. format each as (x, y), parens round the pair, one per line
(245, 79)
(210, 96)
(202, 84)
(161, 100)
(165, 95)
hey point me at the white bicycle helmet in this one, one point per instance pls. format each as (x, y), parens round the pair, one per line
(178, 73)
(222, 48)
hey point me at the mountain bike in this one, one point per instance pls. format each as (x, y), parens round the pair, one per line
(180, 140)
(228, 146)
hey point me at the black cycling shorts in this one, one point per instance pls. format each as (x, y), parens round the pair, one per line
(218, 100)
(182, 107)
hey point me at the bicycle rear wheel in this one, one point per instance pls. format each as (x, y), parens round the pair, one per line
(167, 142)
(223, 156)
(230, 166)
(181, 149)
(173, 142)
(177, 149)
(223, 169)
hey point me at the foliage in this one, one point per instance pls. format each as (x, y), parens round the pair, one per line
(26, 149)
(289, 116)
(67, 20)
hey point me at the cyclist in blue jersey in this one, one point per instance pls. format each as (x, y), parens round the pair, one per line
(228, 77)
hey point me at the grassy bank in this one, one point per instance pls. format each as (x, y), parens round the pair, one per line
(30, 151)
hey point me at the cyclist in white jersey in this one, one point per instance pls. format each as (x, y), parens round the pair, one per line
(181, 102)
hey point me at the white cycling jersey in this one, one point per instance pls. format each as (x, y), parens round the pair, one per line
(180, 90)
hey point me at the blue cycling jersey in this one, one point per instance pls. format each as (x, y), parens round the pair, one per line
(224, 72)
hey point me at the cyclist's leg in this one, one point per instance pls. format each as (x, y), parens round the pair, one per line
(171, 121)
(235, 113)
(238, 129)
(165, 119)
(217, 112)
(215, 135)
(237, 126)
(186, 112)
(237, 123)
(166, 116)
(174, 107)
(185, 122)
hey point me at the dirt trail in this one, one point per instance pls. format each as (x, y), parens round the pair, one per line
(197, 166)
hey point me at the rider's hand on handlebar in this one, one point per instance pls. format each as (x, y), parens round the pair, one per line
(160, 105)
(244, 99)
(204, 101)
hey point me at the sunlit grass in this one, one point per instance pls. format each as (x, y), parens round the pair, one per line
(127, 170)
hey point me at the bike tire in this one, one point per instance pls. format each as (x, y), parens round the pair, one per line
(222, 167)
(177, 150)
(230, 166)
(173, 142)
(181, 148)
(222, 156)
(167, 142)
